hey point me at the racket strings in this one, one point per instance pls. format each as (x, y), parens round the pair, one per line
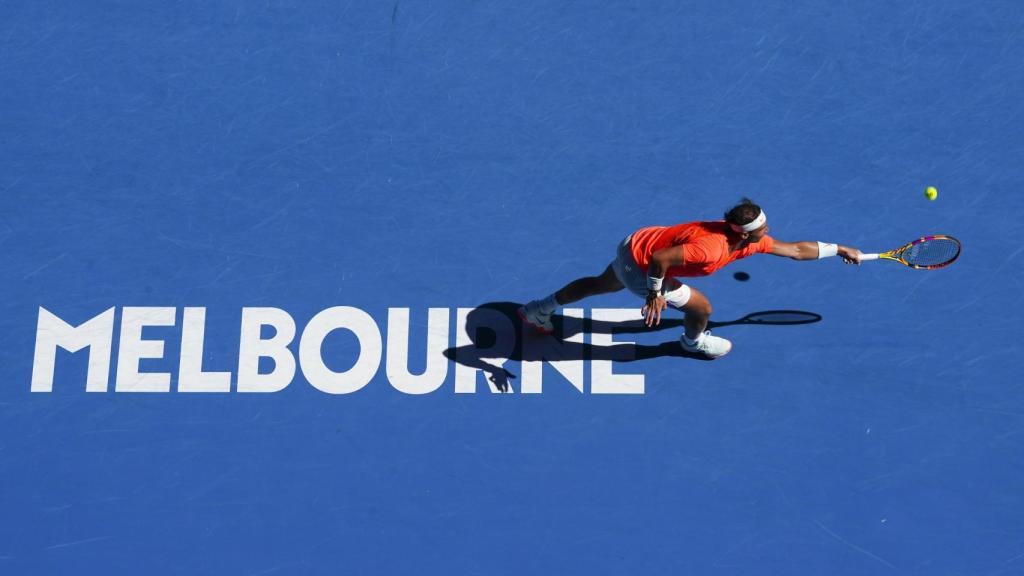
(933, 252)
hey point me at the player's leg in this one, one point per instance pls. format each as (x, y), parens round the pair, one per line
(538, 312)
(698, 311)
(589, 286)
(697, 308)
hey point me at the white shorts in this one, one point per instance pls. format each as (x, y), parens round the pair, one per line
(634, 278)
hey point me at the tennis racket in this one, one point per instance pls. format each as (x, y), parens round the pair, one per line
(927, 253)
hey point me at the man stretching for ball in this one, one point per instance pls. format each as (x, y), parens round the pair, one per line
(649, 261)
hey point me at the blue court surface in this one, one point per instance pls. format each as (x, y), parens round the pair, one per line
(287, 241)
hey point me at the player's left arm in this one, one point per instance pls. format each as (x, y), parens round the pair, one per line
(815, 250)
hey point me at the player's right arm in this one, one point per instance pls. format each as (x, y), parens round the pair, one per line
(811, 251)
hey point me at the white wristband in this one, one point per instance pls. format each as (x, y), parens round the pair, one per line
(826, 250)
(654, 284)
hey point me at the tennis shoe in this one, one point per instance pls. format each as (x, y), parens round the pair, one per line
(533, 317)
(708, 345)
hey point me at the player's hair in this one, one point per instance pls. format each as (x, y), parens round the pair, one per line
(743, 213)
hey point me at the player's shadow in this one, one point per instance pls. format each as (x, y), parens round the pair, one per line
(496, 334)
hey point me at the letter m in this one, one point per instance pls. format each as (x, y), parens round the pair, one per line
(51, 332)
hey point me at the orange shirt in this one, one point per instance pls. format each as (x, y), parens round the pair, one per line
(705, 246)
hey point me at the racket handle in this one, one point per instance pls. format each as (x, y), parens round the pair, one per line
(864, 257)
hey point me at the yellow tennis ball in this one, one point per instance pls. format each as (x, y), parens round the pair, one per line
(931, 193)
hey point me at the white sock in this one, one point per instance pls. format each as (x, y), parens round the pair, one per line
(693, 341)
(547, 305)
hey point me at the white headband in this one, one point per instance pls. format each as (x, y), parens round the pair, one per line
(750, 227)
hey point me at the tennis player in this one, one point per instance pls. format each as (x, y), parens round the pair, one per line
(649, 261)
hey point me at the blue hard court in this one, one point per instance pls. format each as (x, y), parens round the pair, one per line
(470, 156)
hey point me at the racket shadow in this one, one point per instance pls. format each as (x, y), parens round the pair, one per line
(496, 334)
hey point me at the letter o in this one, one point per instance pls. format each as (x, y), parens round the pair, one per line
(370, 350)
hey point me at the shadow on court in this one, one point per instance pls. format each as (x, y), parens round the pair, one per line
(497, 334)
